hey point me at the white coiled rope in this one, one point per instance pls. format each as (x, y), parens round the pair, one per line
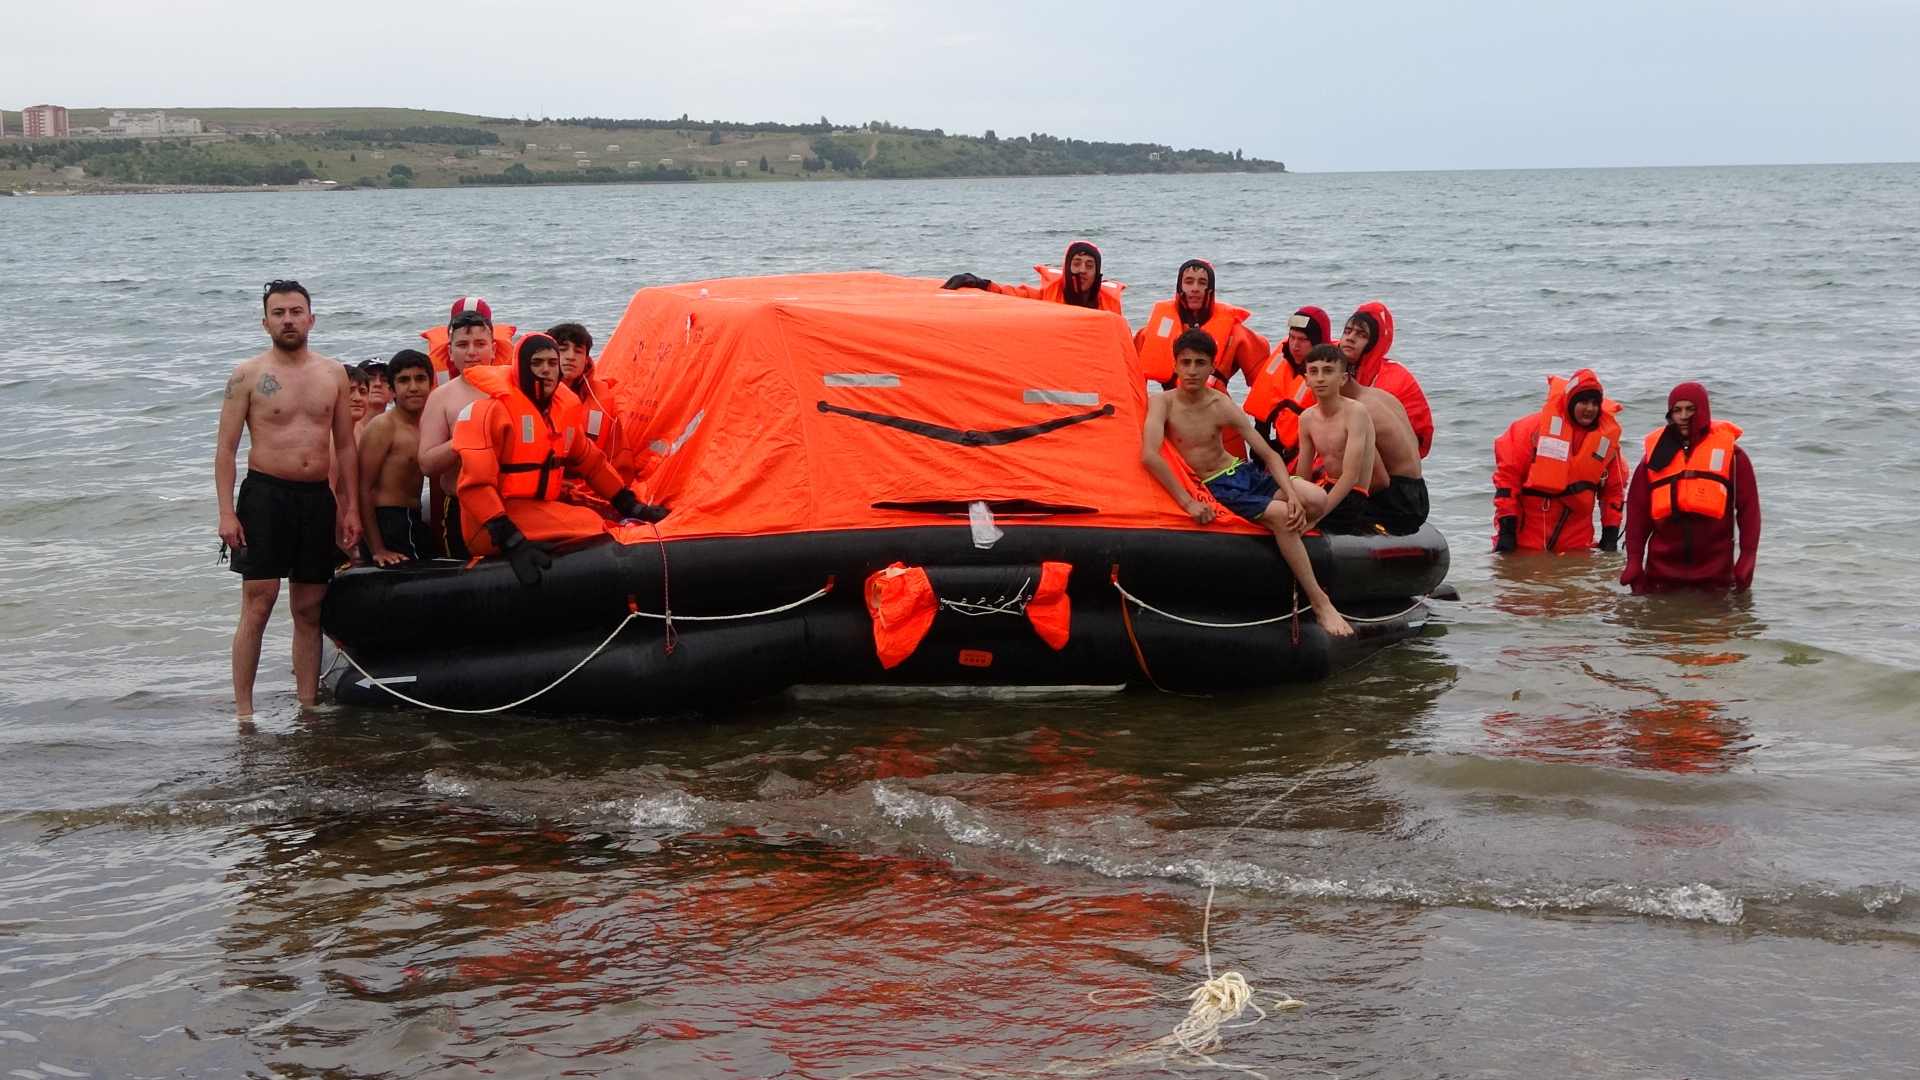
(1301, 610)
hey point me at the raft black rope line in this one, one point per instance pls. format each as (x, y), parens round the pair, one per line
(633, 612)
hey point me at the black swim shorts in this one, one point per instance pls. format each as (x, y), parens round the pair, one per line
(1402, 508)
(289, 530)
(1350, 518)
(402, 531)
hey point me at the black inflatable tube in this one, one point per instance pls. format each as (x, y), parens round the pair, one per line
(589, 589)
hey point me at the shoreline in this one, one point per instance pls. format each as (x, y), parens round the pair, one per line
(261, 189)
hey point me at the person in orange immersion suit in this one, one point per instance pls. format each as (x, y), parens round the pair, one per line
(1687, 495)
(1194, 304)
(1079, 282)
(1550, 468)
(516, 446)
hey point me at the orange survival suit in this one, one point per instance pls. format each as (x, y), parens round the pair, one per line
(514, 455)
(1548, 471)
(1378, 369)
(1688, 494)
(608, 430)
(1238, 347)
(1056, 285)
(1278, 392)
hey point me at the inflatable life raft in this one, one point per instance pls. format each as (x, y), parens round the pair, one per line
(873, 481)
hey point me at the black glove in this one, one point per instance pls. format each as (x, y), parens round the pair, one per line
(1610, 538)
(630, 506)
(526, 558)
(1509, 535)
(966, 281)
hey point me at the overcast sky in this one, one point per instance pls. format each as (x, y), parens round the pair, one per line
(1397, 84)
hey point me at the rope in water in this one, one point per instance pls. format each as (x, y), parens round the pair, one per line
(632, 614)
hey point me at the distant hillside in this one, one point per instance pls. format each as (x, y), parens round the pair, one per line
(422, 148)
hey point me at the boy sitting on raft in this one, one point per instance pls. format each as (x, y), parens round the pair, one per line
(390, 474)
(1336, 449)
(1194, 415)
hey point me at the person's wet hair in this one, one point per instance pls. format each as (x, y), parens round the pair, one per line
(358, 376)
(1196, 340)
(283, 285)
(1328, 354)
(406, 360)
(572, 333)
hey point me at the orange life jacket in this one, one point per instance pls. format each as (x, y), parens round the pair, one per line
(1164, 326)
(1698, 482)
(533, 461)
(1569, 459)
(1053, 287)
(1279, 395)
(437, 338)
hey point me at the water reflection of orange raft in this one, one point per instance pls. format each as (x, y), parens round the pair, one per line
(812, 431)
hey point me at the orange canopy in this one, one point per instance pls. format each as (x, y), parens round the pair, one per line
(853, 401)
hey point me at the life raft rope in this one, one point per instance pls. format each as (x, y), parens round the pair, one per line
(633, 612)
(999, 605)
(1300, 609)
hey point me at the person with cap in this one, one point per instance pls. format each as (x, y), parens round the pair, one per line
(1366, 339)
(516, 446)
(470, 341)
(379, 386)
(1078, 282)
(465, 310)
(1689, 495)
(1278, 393)
(1194, 305)
(1551, 467)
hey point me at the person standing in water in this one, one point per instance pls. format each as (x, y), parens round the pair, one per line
(286, 523)
(1552, 467)
(1687, 496)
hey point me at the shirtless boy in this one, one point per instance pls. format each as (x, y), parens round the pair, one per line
(390, 468)
(1339, 432)
(1194, 415)
(469, 344)
(286, 523)
(1398, 502)
(359, 397)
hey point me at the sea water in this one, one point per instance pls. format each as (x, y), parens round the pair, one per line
(1566, 831)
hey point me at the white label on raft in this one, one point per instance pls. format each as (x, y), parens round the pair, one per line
(1165, 329)
(526, 429)
(1554, 449)
(985, 532)
(693, 425)
(1717, 461)
(1059, 397)
(854, 378)
(391, 680)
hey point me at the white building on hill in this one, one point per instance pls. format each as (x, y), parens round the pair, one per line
(151, 125)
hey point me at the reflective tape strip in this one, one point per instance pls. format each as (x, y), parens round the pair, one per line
(1717, 460)
(466, 412)
(526, 429)
(593, 423)
(1554, 425)
(1059, 397)
(1165, 328)
(1601, 451)
(693, 425)
(850, 378)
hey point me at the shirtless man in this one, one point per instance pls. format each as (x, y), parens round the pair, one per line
(390, 467)
(286, 522)
(469, 344)
(1194, 415)
(1398, 502)
(1339, 432)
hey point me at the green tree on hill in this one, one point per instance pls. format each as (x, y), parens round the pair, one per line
(764, 167)
(399, 171)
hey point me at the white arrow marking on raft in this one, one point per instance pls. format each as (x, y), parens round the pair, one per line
(391, 680)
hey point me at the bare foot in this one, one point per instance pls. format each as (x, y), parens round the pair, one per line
(1330, 620)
